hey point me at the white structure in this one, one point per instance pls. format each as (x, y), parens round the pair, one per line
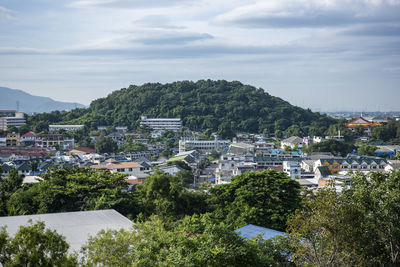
(53, 128)
(121, 129)
(77, 227)
(17, 121)
(173, 124)
(292, 169)
(203, 145)
(131, 168)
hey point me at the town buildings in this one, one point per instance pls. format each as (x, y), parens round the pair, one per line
(161, 124)
(53, 128)
(202, 145)
(9, 118)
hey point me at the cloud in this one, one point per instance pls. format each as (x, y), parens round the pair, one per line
(374, 30)
(310, 14)
(156, 21)
(123, 3)
(173, 38)
(5, 13)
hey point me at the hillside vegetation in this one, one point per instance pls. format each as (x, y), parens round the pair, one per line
(226, 107)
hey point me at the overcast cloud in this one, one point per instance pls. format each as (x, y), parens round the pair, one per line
(321, 54)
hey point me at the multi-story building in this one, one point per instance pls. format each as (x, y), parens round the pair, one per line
(9, 118)
(343, 165)
(203, 145)
(157, 124)
(12, 139)
(292, 169)
(53, 140)
(53, 128)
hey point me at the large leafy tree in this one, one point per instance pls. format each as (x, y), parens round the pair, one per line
(164, 195)
(152, 244)
(34, 245)
(73, 189)
(359, 227)
(338, 148)
(261, 198)
(106, 145)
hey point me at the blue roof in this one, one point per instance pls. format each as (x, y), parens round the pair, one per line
(250, 231)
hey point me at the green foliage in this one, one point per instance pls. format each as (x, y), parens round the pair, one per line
(7, 187)
(367, 150)
(360, 227)
(264, 199)
(33, 245)
(186, 177)
(76, 189)
(132, 146)
(337, 148)
(106, 145)
(164, 195)
(151, 244)
(206, 105)
(386, 132)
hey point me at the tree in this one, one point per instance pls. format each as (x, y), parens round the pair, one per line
(73, 189)
(319, 230)
(367, 150)
(264, 199)
(164, 195)
(132, 146)
(359, 227)
(33, 245)
(106, 145)
(333, 146)
(151, 243)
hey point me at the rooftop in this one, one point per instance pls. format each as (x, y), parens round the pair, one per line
(75, 226)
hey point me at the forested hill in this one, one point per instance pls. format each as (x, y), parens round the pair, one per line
(220, 106)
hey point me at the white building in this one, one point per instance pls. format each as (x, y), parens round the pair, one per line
(53, 128)
(292, 169)
(17, 120)
(203, 145)
(157, 124)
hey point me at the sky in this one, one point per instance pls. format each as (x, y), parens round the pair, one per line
(326, 55)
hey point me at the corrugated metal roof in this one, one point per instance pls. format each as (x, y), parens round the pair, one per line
(75, 226)
(250, 231)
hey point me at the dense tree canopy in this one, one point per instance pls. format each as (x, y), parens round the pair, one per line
(33, 245)
(338, 148)
(151, 243)
(73, 189)
(220, 106)
(265, 199)
(359, 227)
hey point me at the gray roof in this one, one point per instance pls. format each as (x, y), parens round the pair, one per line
(250, 231)
(75, 226)
(293, 140)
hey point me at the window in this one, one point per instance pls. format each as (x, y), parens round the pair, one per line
(130, 169)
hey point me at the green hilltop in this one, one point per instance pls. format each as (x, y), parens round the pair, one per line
(205, 105)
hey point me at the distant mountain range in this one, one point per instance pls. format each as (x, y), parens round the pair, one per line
(31, 104)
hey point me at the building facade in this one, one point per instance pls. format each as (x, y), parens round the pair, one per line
(157, 124)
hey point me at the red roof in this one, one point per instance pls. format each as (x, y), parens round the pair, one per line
(360, 121)
(134, 181)
(30, 134)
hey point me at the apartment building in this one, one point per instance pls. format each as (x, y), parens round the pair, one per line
(158, 124)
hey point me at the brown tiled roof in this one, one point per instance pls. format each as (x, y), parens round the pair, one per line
(121, 165)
